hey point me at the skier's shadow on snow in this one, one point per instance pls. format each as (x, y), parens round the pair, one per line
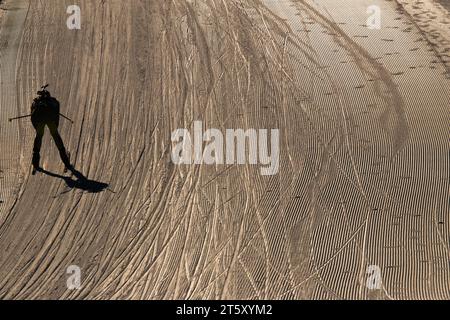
(81, 182)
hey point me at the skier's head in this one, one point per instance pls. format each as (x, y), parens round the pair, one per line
(43, 93)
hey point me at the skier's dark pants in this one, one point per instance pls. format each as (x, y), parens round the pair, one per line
(52, 124)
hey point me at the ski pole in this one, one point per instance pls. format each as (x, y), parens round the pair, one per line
(29, 115)
(71, 121)
(17, 118)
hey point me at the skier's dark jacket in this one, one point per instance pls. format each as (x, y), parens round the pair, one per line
(45, 109)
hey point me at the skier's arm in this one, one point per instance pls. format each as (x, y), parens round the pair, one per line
(33, 106)
(55, 105)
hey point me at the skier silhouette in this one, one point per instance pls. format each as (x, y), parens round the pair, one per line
(45, 112)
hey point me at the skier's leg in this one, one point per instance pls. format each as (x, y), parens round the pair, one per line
(59, 144)
(39, 127)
